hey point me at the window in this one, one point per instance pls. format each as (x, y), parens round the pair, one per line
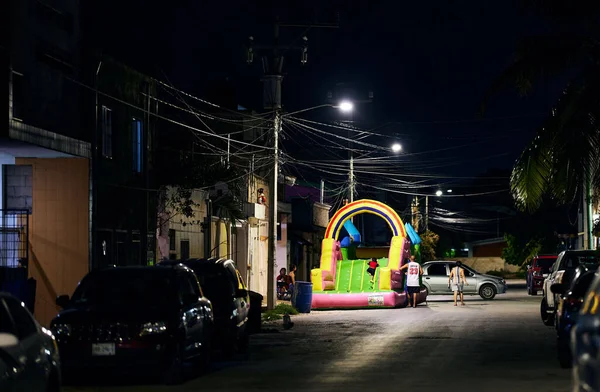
(17, 192)
(136, 136)
(194, 283)
(54, 57)
(186, 287)
(106, 132)
(17, 95)
(172, 240)
(437, 270)
(185, 249)
(26, 327)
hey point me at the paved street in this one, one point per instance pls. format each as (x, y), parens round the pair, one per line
(500, 345)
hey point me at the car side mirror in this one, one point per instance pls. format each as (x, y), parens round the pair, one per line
(62, 301)
(8, 340)
(557, 288)
(241, 293)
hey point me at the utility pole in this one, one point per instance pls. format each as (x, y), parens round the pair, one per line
(415, 213)
(426, 212)
(272, 63)
(351, 177)
(322, 193)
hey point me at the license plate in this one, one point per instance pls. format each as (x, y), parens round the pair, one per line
(103, 349)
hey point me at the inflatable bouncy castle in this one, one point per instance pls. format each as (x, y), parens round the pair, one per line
(343, 282)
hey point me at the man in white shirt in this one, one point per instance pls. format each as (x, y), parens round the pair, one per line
(413, 272)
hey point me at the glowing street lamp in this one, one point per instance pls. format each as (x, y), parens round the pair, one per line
(396, 147)
(449, 191)
(346, 106)
(438, 193)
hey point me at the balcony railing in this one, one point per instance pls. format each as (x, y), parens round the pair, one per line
(14, 238)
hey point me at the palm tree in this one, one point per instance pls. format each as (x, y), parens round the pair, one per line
(562, 162)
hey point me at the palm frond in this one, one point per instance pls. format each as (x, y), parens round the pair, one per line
(566, 149)
(529, 178)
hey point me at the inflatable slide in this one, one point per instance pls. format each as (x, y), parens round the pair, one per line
(344, 282)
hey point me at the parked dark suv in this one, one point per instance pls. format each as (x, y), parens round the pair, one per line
(146, 317)
(569, 303)
(224, 287)
(538, 271)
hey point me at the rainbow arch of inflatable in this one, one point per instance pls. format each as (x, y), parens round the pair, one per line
(339, 283)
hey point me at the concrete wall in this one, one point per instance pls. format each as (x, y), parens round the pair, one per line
(489, 250)
(485, 264)
(58, 229)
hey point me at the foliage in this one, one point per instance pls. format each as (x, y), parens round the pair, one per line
(192, 172)
(565, 153)
(285, 309)
(519, 251)
(278, 311)
(270, 315)
(429, 241)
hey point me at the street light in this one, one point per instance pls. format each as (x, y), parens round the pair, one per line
(346, 106)
(438, 193)
(396, 147)
(449, 191)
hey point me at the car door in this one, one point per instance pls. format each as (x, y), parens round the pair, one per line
(193, 313)
(30, 352)
(471, 278)
(436, 277)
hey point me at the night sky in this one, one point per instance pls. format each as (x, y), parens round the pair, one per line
(427, 63)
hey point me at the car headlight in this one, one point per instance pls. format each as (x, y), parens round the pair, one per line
(153, 328)
(61, 330)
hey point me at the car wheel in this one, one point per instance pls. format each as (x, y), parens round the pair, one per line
(487, 291)
(175, 371)
(547, 318)
(564, 353)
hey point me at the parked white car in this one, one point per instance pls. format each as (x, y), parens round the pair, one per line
(563, 271)
(435, 280)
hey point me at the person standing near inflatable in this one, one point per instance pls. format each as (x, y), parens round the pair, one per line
(414, 271)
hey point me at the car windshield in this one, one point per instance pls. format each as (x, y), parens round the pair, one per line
(124, 288)
(574, 260)
(215, 281)
(545, 264)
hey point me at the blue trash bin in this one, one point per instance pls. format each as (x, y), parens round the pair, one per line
(302, 298)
